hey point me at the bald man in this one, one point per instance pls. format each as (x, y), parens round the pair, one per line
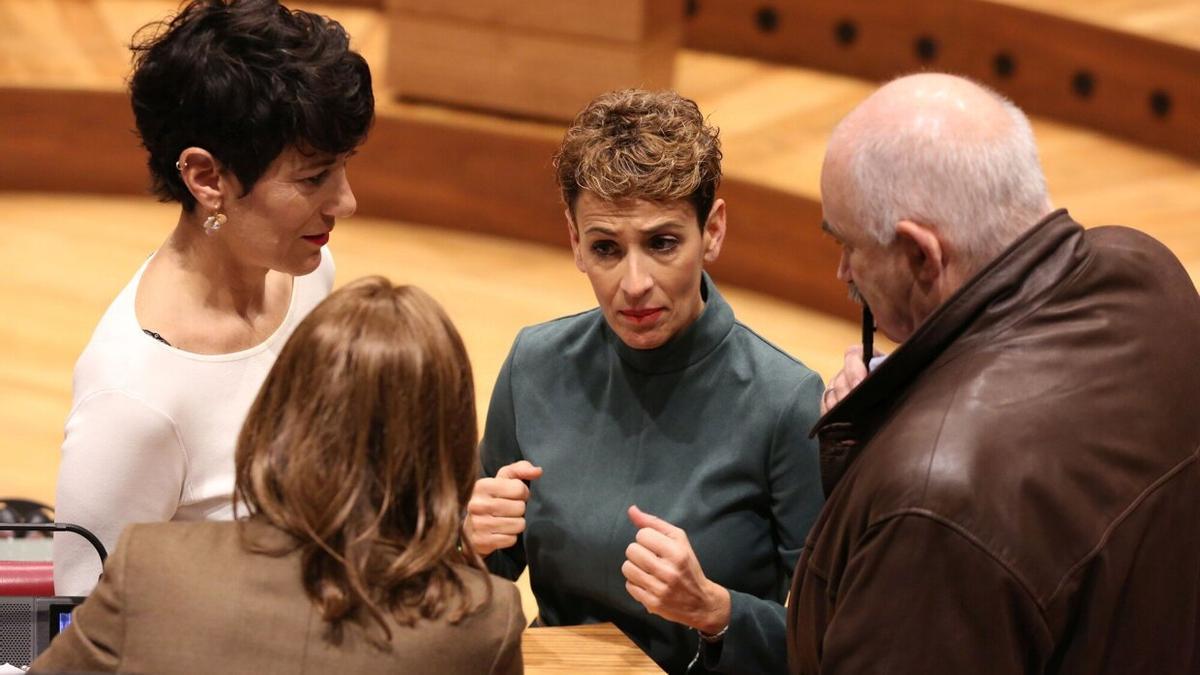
(1016, 489)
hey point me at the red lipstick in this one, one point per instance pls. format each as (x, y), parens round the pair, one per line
(641, 316)
(317, 239)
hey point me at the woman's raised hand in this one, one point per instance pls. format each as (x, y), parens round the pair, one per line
(662, 572)
(496, 511)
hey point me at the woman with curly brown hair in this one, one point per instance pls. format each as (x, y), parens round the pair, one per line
(657, 402)
(356, 463)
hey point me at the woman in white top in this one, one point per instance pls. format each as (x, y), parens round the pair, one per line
(249, 112)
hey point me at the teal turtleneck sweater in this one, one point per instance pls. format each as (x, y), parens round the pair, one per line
(709, 432)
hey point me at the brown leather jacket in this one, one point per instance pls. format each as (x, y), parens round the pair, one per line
(1017, 489)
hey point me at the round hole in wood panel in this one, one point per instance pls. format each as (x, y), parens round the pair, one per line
(1004, 65)
(926, 48)
(845, 32)
(1160, 103)
(767, 19)
(1083, 83)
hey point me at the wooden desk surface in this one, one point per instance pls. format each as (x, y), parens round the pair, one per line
(596, 649)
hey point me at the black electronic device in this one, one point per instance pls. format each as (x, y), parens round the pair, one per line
(28, 624)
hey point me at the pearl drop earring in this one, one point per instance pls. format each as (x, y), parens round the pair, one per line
(214, 223)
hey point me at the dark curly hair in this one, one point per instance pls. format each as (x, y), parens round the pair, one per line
(245, 79)
(653, 145)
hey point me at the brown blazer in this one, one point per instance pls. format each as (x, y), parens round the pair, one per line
(188, 598)
(1017, 488)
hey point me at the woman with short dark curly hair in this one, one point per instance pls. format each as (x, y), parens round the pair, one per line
(248, 112)
(671, 480)
(356, 462)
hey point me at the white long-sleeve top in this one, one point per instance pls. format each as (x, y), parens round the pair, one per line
(152, 429)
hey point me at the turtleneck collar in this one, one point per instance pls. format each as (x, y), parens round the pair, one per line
(686, 347)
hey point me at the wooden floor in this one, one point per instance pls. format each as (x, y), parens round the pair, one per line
(1174, 21)
(66, 257)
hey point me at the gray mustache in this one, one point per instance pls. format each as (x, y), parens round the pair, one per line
(854, 294)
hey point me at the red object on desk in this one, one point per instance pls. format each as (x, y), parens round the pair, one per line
(26, 578)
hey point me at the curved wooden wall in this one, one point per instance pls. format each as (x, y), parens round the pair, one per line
(1038, 52)
(474, 172)
(1130, 85)
(446, 168)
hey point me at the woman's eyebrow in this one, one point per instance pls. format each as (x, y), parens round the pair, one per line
(658, 227)
(318, 162)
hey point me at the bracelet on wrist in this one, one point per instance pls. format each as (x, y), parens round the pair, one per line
(715, 637)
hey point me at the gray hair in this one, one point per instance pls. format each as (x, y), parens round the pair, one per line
(980, 191)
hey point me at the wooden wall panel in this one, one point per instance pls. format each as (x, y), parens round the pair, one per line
(493, 179)
(1043, 53)
(497, 179)
(618, 20)
(1130, 85)
(511, 70)
(775, 246)
(452, 170)
(56, 139)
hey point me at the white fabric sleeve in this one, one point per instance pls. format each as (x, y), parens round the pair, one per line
(122, 462)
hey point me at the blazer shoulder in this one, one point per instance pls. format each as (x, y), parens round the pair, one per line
(192, 548)
(201, 534)
(500, 606)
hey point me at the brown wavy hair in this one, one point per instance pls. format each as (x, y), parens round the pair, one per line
(361, 445)
(636, 144)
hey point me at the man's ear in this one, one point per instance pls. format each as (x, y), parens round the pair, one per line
(924, 250)
(573, 234)
(714, 231)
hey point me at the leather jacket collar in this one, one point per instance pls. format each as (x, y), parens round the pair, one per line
(983, 305)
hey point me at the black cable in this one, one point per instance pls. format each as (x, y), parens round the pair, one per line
(59, 527)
